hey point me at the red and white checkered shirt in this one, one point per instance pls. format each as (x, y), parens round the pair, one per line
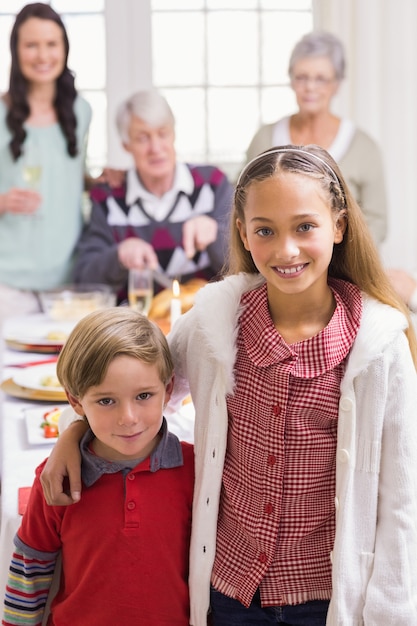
(277, 518)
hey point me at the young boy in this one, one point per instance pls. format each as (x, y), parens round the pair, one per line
(125, 545)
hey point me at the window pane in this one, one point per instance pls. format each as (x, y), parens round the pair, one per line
(232, 4)
(233, 60)
(276, 102)
(189, 111)
(179, 4)
(243, 57)
(280, 31)
(6, 24)
(178, 60)
(229, 133)
(60, 6)
(87, 59)
(291, 5)
(11, 6)
(78, 6)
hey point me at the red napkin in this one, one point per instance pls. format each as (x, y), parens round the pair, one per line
(23, 497)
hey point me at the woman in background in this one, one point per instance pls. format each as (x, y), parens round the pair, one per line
(316, 69)
(43, 132)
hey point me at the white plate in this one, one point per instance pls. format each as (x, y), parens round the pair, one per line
(34, 419)
(31, 377)
(37, 332)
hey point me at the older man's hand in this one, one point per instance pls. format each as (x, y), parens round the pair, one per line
(198, 233)
(137, 253)
(111, 176)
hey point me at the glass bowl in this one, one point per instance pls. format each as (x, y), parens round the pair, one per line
(72, 302)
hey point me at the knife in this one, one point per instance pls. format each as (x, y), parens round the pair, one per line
(162, 279)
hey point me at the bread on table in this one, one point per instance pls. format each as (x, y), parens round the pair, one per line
(161, 303)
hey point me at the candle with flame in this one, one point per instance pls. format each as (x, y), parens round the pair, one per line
(175, 302)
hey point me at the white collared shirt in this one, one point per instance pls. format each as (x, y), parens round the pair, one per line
(340, 145)
(158, 207)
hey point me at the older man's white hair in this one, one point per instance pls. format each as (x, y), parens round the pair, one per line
(150, 106)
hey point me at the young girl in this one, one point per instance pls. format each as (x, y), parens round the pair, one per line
(300, 365)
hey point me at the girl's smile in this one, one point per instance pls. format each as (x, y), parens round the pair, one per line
(290, 272)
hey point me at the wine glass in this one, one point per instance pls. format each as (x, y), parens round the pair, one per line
(32, 176)
(140, 289)
(32, 169)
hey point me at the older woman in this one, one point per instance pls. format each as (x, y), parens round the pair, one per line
(167, 214)
(316, 69)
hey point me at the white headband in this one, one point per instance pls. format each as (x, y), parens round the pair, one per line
(298, 150)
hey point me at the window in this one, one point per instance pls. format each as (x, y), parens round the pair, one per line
(83, 22)
(222, 65)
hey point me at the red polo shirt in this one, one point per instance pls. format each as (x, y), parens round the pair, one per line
(125, 545)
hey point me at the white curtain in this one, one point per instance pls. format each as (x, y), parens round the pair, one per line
(380, 95)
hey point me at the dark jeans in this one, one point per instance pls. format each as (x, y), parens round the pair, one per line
(226, 611)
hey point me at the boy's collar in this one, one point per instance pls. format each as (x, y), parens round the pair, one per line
(167, 455)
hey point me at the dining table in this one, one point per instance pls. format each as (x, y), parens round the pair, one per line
(22, 446)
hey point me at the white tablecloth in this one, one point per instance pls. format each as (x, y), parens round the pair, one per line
(18, 458)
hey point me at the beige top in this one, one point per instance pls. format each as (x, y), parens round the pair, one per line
(359, 159)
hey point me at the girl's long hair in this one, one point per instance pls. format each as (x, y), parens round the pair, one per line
(355, 258)
(17, 95)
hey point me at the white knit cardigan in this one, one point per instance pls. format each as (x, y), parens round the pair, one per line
(374, 558)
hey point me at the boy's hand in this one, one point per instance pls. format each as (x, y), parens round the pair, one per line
(64, 462)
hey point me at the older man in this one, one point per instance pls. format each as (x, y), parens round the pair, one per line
(167, 214)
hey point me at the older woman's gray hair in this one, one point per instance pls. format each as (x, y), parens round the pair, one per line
(149, 105)
(320, 44)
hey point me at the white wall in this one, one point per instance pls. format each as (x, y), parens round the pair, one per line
(129, 62)
(380, 95)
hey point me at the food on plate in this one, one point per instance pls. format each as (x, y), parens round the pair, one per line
(50, 381)
(161, 304)
(50, 423)
(50, 431)
(57, 335)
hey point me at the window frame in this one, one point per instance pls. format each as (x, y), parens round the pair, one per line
(128, 58)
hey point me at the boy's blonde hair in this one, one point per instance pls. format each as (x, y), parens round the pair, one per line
(354, 259)
(103, 335)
